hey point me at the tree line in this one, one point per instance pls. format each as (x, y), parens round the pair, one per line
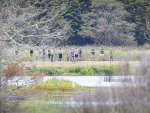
(106, 22)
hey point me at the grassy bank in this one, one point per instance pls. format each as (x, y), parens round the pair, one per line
(73, 70)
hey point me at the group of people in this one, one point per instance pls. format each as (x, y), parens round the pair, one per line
(75, 54)
(101, 54)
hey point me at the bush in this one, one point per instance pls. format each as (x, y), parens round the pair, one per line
(54, 85)
(75, 70)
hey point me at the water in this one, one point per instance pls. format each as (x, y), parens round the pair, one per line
(89, 81)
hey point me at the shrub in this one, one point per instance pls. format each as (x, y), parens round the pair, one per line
(74, 70)
(54, 85)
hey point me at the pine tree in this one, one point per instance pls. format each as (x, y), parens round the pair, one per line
(73, 16)
(138, 12)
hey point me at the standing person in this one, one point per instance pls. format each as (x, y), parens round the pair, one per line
(16, 54)
(76, 54)
(66, 54)
(31, 54)
(80, 53)
(101, 53)
(44, 54)
(52, 55)
(49, 54)
(60, 54)
(111, 54)
(72, 53)
(41, 54)
(93, 54)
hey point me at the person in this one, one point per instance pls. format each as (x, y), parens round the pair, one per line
(41, 54)
(76, 54)
(101, 53)
(72, 53)
(16, 54)
(44, 54)
(80, 53)
(52, 55)
(49, 54)
(111, 54)
(66, 54)
(60, 54)
(31, 53)
(92, 53)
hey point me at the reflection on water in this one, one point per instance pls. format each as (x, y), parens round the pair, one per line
(108, 79)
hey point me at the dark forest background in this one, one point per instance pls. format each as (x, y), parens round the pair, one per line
(106, 22)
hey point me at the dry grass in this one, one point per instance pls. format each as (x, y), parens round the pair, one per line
(21, 59)
(12, 69)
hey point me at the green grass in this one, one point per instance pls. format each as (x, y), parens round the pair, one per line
(54, 85)
(73, 70)
(120, 53)
(40, 105)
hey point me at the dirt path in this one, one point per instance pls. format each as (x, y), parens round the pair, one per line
(83, 63)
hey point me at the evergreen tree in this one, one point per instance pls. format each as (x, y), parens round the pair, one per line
(73, 16)
(85, 5)
(105, 24)
(139, 10)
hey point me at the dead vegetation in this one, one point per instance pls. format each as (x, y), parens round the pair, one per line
(13, 69)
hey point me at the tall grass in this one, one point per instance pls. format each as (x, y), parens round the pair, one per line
(54, 85)
(120, 53)
(73, 70)
(38, 105)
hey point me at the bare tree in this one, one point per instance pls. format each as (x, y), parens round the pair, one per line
(147, 32)
(32, 24)
(28, 24)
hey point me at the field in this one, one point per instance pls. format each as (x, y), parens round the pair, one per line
(119, 53)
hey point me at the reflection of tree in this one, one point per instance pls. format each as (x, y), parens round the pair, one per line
(106, 23)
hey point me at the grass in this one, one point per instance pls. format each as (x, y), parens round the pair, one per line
(73, 70)
(54, 85)
(120, 53)
(40, 105)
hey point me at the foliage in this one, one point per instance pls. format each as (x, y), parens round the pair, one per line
(106, 24)
(73, 16)
(138, 10)
(54, 85)
(75, 70)
(12, 69)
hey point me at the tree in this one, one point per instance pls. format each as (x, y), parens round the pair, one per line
(106, 24)
(138, 11)
(85, 5)
(28, 24)
(147, 32)
(73, 16)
